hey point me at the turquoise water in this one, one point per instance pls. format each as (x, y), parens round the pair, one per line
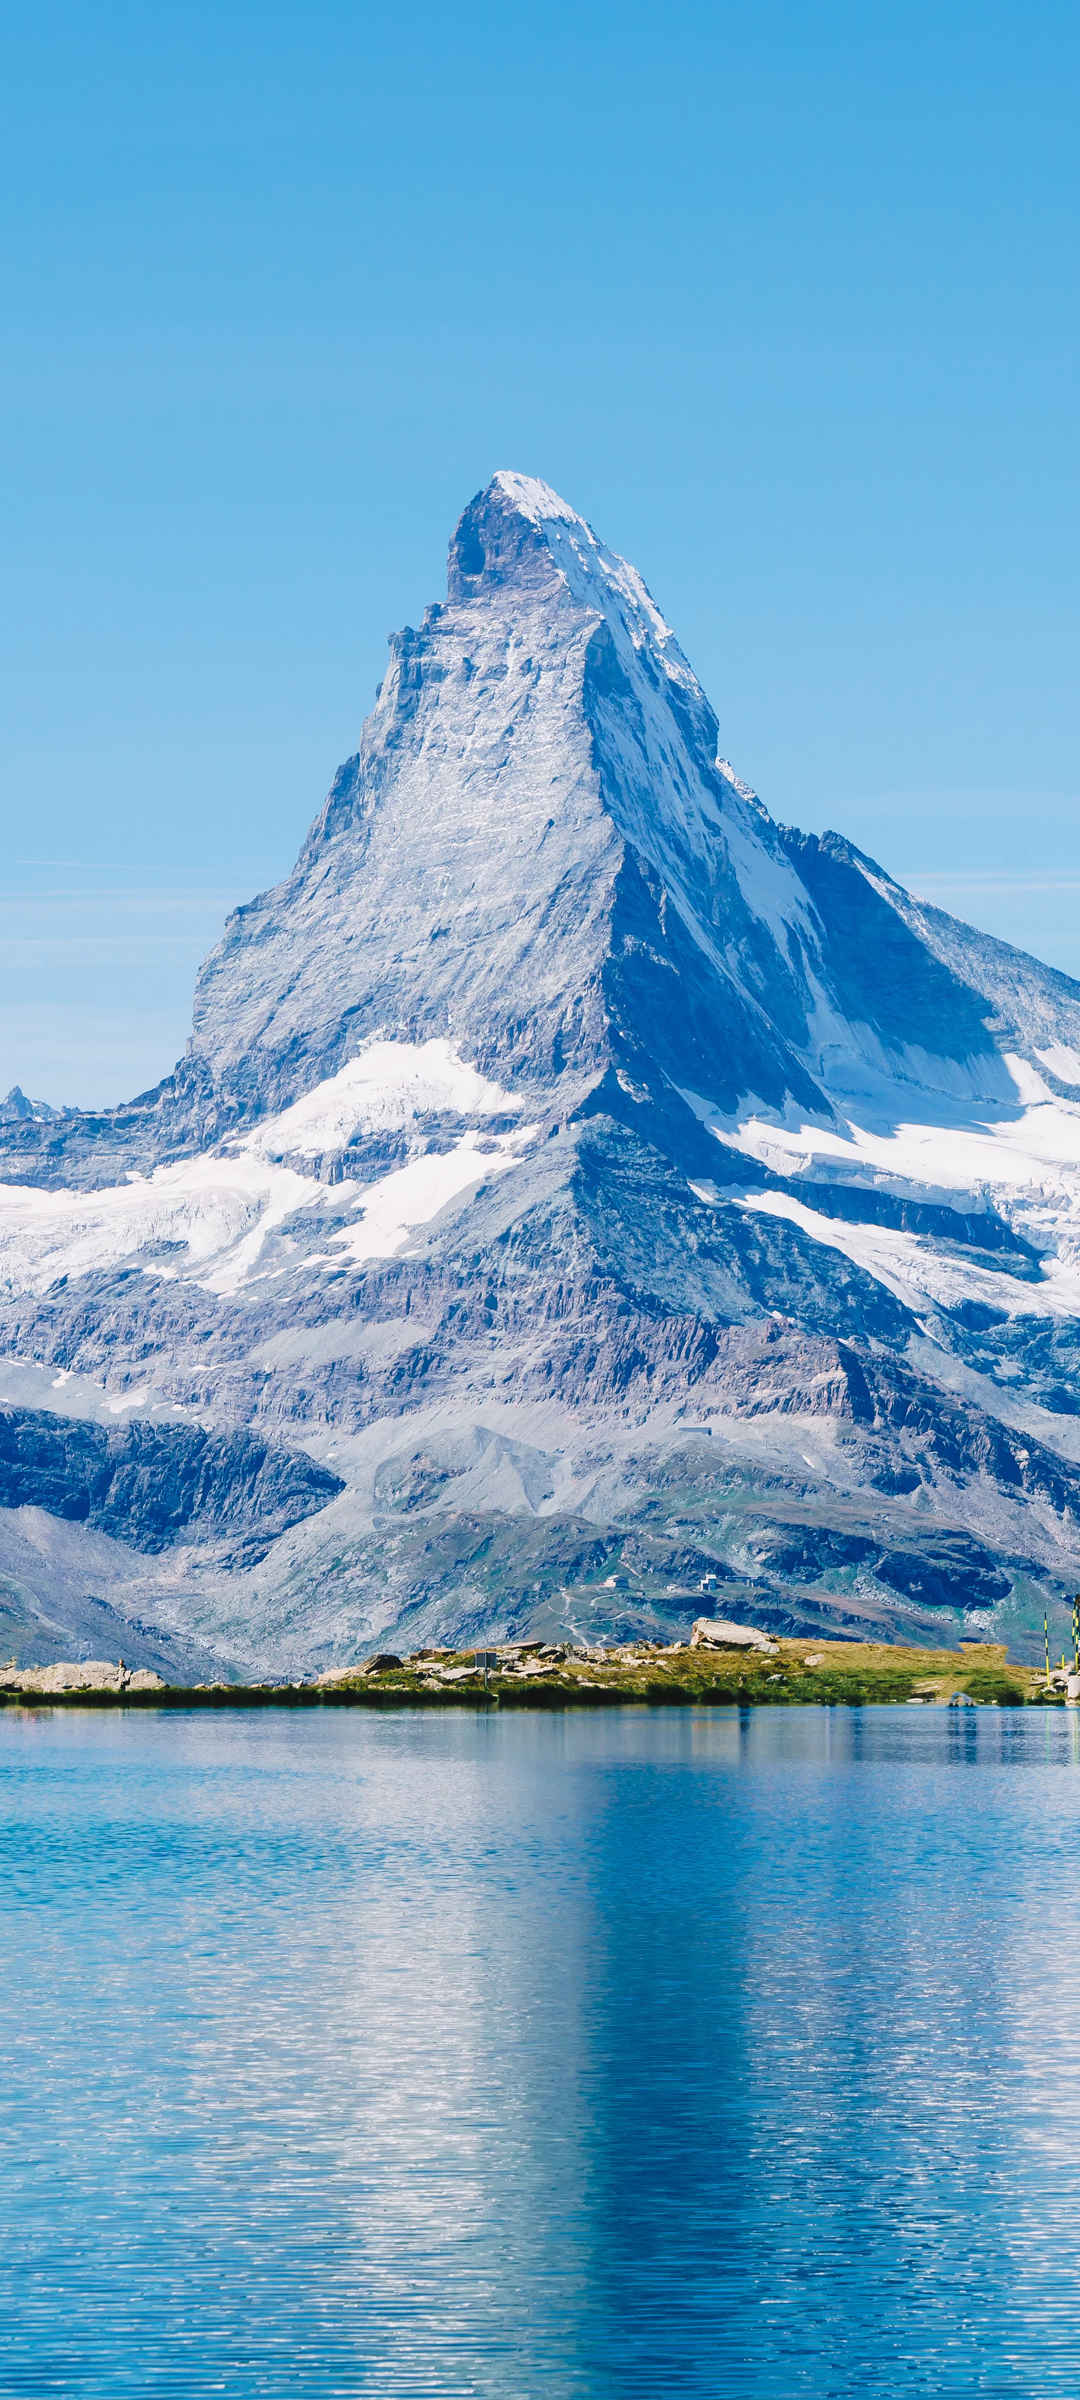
(658, 2053)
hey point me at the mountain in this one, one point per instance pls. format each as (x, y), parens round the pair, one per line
(573, 1173)
(18, 1110)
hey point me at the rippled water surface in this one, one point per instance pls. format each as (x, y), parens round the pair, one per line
(654, 2053)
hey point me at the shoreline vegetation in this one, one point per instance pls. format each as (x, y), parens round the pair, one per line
(750, 1671)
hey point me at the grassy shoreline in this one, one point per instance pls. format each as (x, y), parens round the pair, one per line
(789, 1673)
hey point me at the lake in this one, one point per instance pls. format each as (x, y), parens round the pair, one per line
(646, 2053)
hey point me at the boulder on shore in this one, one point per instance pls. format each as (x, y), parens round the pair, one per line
(381, 1662)
(715, 1633)
(81, 1675)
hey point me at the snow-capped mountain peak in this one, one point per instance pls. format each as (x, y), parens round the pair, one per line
(577, 1164)
(491, 540)
(534, 499)
(17, 1109)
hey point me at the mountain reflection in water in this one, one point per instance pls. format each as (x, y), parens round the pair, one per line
(657, 2053)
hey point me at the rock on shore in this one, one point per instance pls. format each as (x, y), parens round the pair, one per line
(85, 1675)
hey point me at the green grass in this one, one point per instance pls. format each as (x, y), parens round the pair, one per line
(848, 1675)
(989, 1684)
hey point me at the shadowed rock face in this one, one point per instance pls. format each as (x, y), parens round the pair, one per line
(571, 1171)
(154, 1485)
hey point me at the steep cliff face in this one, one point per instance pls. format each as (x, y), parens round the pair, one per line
(153, 1485)
(536, 797)
(585, 1171)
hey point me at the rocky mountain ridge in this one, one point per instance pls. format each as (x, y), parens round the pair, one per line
(582, 1173)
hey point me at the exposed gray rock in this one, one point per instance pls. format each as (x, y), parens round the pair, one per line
(68, 1675)
(717, 1633)
(85, 1675)
(156, 1483)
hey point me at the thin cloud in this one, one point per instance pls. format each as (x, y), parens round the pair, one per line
(982, 880)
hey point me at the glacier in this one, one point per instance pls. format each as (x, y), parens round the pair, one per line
(573, 1171)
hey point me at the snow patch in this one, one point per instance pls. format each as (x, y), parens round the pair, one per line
(394, 1207)
(916, 1273)
(1059, 1060)
(215, 1211)
(209, 1218)
(1016, 1152)
(387, 1085)
(1023, 1164)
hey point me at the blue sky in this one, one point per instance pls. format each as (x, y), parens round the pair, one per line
(784, 300)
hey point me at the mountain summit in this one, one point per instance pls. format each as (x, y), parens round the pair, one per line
(537, 786)
(572, 1171)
